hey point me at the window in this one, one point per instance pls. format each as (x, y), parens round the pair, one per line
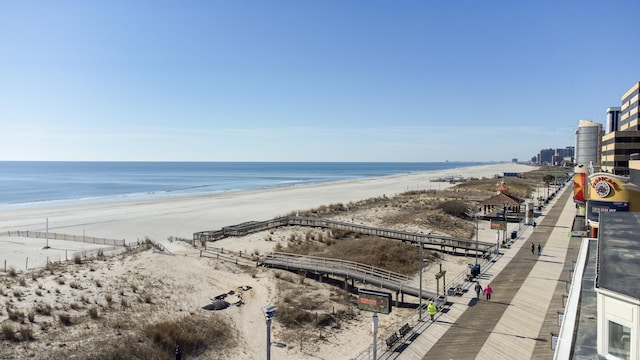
(619, 341)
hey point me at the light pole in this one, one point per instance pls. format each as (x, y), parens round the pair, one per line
(269, 312)
(420, 289)
(476, 239)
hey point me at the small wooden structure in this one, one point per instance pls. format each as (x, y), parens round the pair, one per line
(502, 201)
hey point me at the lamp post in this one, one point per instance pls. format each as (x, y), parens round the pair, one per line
(420, 289)
(269, 312)
(476, 238)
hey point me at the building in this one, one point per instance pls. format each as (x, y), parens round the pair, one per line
(629, 109)
(613, 120)
(608, 193)
(546, 156)
(617, 286)
(624, 139)
(564, 156)
(588, 143)
(617, 148)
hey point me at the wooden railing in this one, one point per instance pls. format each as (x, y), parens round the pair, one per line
(442, 241)
(334, 267)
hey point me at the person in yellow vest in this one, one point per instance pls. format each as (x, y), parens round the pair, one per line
(432, 310)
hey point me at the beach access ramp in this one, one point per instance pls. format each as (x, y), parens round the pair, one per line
(365, 274)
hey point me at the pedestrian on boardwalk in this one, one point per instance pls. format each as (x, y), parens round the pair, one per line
(478, 289)
(488, 291)
(533, 248)
(534, 225)
(539, 250)
(432, 310)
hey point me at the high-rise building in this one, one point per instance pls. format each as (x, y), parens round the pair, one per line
(613, 120)
(616, 150)
(619, 144)
(588, 143)
(564, 156)
(629, 109)
(546, 156)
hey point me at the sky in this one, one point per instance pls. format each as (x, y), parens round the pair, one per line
(341, 80)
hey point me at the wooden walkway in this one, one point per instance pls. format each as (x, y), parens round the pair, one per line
(365, 274)
(516, 323)
(433, 241)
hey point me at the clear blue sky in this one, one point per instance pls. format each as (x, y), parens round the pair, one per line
(308, 80)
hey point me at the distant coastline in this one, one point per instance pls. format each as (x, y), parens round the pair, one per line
(27, 184)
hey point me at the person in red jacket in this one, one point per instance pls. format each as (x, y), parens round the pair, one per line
(488, 291)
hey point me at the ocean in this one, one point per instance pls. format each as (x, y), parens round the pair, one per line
(36, 183)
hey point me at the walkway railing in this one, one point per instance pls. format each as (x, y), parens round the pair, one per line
(364, 273)
(441, 241)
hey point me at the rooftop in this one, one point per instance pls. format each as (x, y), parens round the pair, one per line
(619, 253)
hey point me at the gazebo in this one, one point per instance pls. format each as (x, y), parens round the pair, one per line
(502, 201)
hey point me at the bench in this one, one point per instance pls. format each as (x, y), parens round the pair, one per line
(392, 339)
(459, 290)
(404, 329)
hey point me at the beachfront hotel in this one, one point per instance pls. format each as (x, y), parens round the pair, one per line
(613, 120)
(624, 137)
(588, 143)
(629, 109)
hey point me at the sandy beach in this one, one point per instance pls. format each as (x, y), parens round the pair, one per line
(178, 280)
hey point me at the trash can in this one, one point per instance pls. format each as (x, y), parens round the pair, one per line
(514, 235)
(475, 270)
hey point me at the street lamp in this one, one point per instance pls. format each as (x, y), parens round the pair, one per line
(269, 312)
(476, 238)
(420, 289)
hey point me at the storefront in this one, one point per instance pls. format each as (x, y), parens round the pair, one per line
(608, 193)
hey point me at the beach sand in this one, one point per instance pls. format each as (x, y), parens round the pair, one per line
(180, 281)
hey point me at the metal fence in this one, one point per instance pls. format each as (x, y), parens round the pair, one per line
(66, 237)
(108, 248)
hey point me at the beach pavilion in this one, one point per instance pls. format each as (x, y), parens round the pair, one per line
(502, 201)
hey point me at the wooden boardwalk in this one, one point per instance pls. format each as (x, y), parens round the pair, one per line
(434, 241)
(517, 321)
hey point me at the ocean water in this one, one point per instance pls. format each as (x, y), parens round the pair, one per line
(34, 183)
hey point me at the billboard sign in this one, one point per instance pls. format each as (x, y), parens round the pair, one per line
(498, 225)
(374, 301)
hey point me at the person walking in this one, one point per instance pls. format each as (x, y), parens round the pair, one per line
(539, 250)
(533, 248)
(488, 291)
(478, 289)
(432, 310)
